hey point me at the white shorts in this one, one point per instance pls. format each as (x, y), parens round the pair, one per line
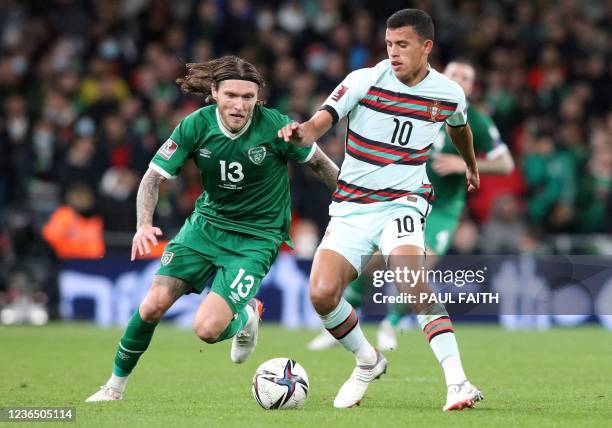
(357, 237)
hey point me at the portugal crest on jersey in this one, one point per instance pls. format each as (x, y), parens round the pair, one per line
(433, 109)
(257, 154)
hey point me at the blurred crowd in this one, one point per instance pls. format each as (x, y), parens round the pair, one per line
(88, 93)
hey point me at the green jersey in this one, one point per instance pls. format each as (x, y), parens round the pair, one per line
(244, 175)
(450, 190)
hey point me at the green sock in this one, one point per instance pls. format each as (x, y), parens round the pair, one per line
(133, 343)
(352, 293)
(235, 325)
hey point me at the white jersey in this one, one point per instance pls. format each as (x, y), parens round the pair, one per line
(391, 130)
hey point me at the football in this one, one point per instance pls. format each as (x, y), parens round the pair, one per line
(280, 383)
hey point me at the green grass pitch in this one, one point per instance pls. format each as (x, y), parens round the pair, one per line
(562, 377)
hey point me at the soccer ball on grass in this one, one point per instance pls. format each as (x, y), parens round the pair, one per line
(280, 383)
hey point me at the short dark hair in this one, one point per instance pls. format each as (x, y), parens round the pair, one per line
(419, 20)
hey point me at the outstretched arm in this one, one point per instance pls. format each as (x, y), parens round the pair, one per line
(306, 133)
(146, 201)
(461, 137)
(446, 163)
(324, 168)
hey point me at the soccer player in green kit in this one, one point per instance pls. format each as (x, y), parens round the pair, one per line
(240, 220)
(446, 171)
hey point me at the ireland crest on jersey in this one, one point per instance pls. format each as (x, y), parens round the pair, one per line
(166, 258)
(257, 154)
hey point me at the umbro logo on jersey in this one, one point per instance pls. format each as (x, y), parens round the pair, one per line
(205, 153)
(167, 150)
(234, 297)
(339, 93)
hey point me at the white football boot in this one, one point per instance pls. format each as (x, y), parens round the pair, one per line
(462, 395)
(387, 340)
(106, 393)
(355, 387)
(322, 341)
(243, 344)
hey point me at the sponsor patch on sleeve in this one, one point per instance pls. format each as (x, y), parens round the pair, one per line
(167, 150)
(339, 93)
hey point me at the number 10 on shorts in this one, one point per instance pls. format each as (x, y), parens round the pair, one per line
(243, 288)
(405, 226)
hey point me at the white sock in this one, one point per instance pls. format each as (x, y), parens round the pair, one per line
(365, 352)
(250, 313)
(343, 324)
(453, 370)
(117, 382)
(438, 328)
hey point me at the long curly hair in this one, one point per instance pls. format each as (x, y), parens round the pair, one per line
(201, 76)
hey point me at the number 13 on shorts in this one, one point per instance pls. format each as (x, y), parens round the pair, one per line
(243, 285)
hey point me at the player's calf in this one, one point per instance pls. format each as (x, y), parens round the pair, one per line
(330, 274)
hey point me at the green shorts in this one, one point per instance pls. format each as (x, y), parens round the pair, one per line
(201, 250)
(440, 227)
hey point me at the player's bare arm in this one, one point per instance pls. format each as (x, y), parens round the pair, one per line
(146, 201)
(306, 133)
(324, 168)
(461, 136)
(445, 164)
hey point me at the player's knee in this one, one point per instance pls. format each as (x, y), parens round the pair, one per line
(206, 331)
(324, 297)
(157, 301)
(152, 310)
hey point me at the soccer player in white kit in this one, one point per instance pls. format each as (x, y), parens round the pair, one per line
(395, 110)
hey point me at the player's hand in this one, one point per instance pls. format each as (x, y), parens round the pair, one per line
(473, 179)
(291, 133)
(446, 164)
(144, 236)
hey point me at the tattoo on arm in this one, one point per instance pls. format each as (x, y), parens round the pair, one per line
(324, 168)
(146, 199)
